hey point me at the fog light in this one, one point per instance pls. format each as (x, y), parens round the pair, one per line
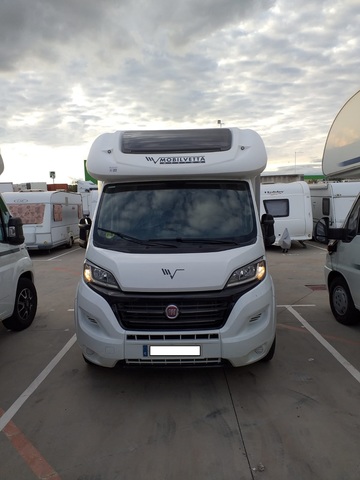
(259, 350)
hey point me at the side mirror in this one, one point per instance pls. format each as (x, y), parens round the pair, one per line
(84, 230)
(340, 234)
(15, 231)
(321, 231)
(267, 226)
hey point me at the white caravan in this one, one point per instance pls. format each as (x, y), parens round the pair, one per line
(50, 219)
(175, 270)
(18, 297)
(341, 160)
(332, 201)
(290, 206)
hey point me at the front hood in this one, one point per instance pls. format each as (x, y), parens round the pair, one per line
(174, 272)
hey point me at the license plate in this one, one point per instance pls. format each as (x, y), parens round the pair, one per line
(172, 350)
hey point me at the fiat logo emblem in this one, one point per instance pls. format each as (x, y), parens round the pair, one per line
(172, 312)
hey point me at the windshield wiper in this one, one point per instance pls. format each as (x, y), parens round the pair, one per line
(207, 241)
(129, 238)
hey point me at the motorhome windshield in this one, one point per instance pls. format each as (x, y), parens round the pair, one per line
(183, 216)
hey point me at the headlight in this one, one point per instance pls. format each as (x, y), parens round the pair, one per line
(99, 276)
(252, 271)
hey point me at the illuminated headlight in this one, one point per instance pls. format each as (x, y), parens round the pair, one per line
(99, 276)
(248, 273)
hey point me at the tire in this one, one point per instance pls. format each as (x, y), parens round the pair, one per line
(270, 353)
(25, 306)
(341, 302)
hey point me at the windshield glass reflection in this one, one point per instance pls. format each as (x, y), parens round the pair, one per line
(185, 211)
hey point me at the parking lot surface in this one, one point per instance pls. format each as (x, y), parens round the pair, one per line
(297, 417)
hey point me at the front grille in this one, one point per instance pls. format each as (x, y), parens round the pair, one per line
(198, 311)
(149, 314)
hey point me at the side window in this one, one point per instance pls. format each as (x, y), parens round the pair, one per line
(326, 206)
(57, 212)
(2, 233)
(353, 221)
(278, 207)
(30, 213)
(4, 219)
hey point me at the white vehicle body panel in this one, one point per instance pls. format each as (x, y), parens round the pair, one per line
(14, 263)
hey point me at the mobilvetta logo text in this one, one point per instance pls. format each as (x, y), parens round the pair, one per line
(176, 160)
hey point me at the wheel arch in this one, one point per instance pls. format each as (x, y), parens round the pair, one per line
(28, 274)
(335, 274)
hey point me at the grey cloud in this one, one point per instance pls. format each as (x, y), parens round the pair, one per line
(284, 70)
(50, 30)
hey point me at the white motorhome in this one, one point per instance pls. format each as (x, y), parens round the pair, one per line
(18, 297)
(290, 206)
(332, 201)
(175, 271)
(89, 195)
(50, 219)
(341, 160)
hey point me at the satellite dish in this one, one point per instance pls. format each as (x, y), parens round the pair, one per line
(1, 164)
(341, 157)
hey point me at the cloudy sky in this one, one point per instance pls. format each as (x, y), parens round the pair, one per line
(73, 69)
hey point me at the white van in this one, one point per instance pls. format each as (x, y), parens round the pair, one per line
(50, 219)
(290, 205)
(341, 160)
(332, 201)
(175, 270)
(18, 297)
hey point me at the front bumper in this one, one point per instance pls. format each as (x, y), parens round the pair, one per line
(245, 338)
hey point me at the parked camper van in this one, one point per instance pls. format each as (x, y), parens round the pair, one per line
(332, 201)
(289, 204)
(18, 297)
(175, 271)
(341, 160)
(50, 219)
(89, 195)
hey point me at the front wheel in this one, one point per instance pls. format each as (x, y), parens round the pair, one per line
(341, 302)
(25, 306)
